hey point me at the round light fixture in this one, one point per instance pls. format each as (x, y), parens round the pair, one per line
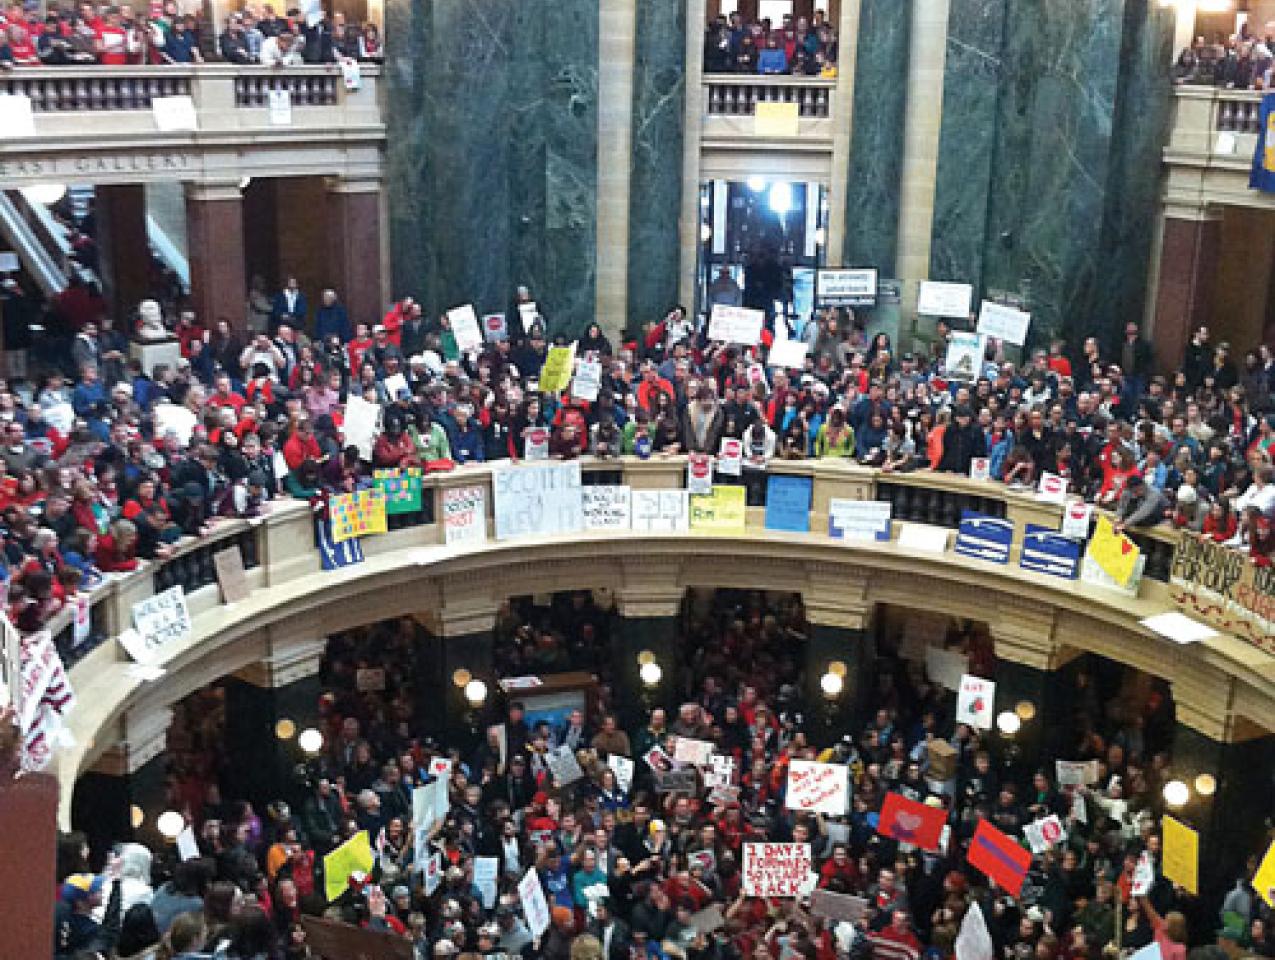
(476, 692)
(1206, 785)
(705, 232)
(461, 678)
(838, 667)
(136, 816)
(645, 657)
(310, 740)
(1176, 793)
(170, 824)
(651, 673)
(1009, 723)
(831, 684)
(45, 193)
(285, 729)
(756, 184)
(1025, 709)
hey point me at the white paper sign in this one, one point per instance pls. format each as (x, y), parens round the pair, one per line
(1003, 323)
(1143, 876)
(534, 906)
(818, 787)
(1076, 773)
(587, 380)
(529, 314)
(187, 845)
(16, 116)
(980, 468)
(730, 458)
(661, 510)
(361, 425)
(81, 618)
(698, 753)
(563, 765)
(486, 870)
(735, 325)
(1178, 627)
(160, 620)
(964, 359)
(945, 667)
(775, 869)
(280, 102)
(858, 519)
(351, 73)
(976, 702)
(789, 354)
(1046, 833)
(1076, 518)
(923, 538)
(623, 768)
(465, 328)
(431, 862)
(395, 384)
(945, 299)
(699, 475)
(1052, 488)
(494, 327)
(540, 499)
(973, 942)
(464, 514)
(174, 113)
(170, 418)
(607, 507)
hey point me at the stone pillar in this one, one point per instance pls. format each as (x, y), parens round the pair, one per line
(840, 617)
(123, 246)
(354, 247)
(1189, 247)
(688, 222)
(1028, 656)
(283, 686)
(467, 644)
(132, 773)
(647, 620)
(617, 26)
(215, 241)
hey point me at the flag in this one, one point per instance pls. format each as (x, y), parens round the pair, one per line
(974, 942)
(999, 857)
(911, 822)
(1263, 175)
(334, 556)
(353, 856)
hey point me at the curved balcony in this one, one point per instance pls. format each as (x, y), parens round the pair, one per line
(1039, 619)
(1210, 149)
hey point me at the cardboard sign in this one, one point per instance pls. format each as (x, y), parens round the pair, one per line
(788, 503)
(984, 538)
(976, 702)
(1051, 488)
(587, 381)
(357, 514)
(495, 327)
(1049, 552)
(698, 753)
(1003, 323)
(730, 458)
(1076, 773)
(699, 474)
(160, 620)
(723, 511)
(607, 507)
(1181, 859)
(735, 325)
(859, 519)
(661, 510)
(838, 906)
(537, 500)
(623, 768)
(1076, 519)
(998, 856)
(1045, 833)
(775, 869)
(964, 359)
(465, 328)
(230, 575)
(945, 299)
(369, 679)
(911, 822)
(534, 906)
(818, 787)
(464, 514)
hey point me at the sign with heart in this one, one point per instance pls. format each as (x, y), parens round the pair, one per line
(976, 702)
(910, 822)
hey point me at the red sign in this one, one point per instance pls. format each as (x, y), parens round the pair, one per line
(999, 857)
(911, 822)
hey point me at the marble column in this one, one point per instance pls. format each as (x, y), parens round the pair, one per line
(689, 221)
(656, 186)
(844, 115)
(633, 635)
(877, 151)
(1189, 248)
(926, 59)
(471, 649)
(215, 242)
(354, 246)
(618, 27)
(123, 246)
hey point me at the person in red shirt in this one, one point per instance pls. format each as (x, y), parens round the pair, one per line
(22, 45)
(360, 345)
(651, 387)
(301, 445)
(112, 40)
(225, 396)
(840, 866)
(897, 941)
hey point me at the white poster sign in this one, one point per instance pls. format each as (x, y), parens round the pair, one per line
(563, 765)
(1076, 519)
(945, 299)
(174, 114)
(486, 871)
(1076, 773)
(730, 458)
(160, 620)
(361, 425)
(187, 845)
(465, 328)
(534, 906)
(16, 116)
(1046, 833)
(846, 287)
(464, 514)
(81, 618)
(775, 869)
(623, 768)
(964, 359)
(818, 787)
(607, 507)
(661, 510)
(735, 325)
(587, 381)
(858, 519)
(280, 103)
(179, 421)
(1052, 488)
(1003, 323)
(494, 327)
(540, 499)
(699, 474)
(698, 753)
(788, 354)
(976, 702)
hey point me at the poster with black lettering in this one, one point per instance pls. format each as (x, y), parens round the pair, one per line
(775, 869)
(159, 621)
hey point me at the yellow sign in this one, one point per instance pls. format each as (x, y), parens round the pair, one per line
(722, 511)
(355, 855)
(1264, 879)
(1181, 854)
(1115, 553)
(357, 514)
(555, 375)
(776, 120)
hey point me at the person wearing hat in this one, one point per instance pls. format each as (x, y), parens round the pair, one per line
(1140, 505)
(74, 928)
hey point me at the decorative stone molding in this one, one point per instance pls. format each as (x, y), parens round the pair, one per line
(145, 738)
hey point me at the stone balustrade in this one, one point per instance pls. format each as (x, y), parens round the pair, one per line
(734, 95)
(1210, 149)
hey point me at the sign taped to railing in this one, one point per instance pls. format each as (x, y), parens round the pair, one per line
(158, 621)
(1221, 587)
(540, 499)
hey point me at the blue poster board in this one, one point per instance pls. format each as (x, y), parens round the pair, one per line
(788, 503)
(1048, 551)
(983, 537)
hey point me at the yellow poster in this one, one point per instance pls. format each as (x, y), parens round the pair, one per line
(1181, 854)
(555, 375)
(776, 119)
(722, 511)
(353, 855)
(1115, 553)
(357, 514)
(1264, 880)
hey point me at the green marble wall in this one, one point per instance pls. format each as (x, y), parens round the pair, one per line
(655, 186)
(492, 156)
(876, 143)
(1040, 187)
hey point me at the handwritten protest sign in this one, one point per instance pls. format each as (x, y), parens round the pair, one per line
(464, 514)
(775, 869)
(664, 510)
(788, 503)
(1181, 846)
(1003, 323)
(357, 514)
(607, 507)
(788, 354)
(534, 906)
(698, 753)
(563, 765)
(938, 299)
(1076, 773)
(838, 906)
(159, 620)
(975, 702)
(361, 425)
(555, 375)
(465, 328)
(587, 381)
(735, 325)
(818, 787)
(723, 510)
(535, 499)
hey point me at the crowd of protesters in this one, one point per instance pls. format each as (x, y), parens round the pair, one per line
(796, 46)
(161, 33)
(1241, 61)
(640, 872)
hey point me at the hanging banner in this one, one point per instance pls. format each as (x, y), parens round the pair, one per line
(1047, 551)
(661, 510)
(858, 519)
(984, 538)
(699, 474)
(541, 499)
(357, 514)
(607, 507)
(788, 503)
(775, 869)
(1221, 587)
(730, 457)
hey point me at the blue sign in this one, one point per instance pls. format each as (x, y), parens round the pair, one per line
(983, 537)
(788, 503)
(1048, 551)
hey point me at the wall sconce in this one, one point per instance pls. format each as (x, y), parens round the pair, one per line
(310, 740)
(285, 729)
(461, 678)
(651, 673)
(1009, 723)
(1206, 785)
(136, 816)
(1176, 793)
(1025, 709)
(170, 824)
(476, 693)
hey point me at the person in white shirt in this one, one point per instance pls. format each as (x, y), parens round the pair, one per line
(1260, 493)
(281, 51)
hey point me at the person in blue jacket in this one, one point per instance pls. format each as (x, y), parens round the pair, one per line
(466, 437)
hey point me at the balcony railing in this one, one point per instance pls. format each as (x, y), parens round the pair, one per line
(729, 95)
(58, 89)
(1213, 127)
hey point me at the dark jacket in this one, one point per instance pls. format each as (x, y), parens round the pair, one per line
(960, 447)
